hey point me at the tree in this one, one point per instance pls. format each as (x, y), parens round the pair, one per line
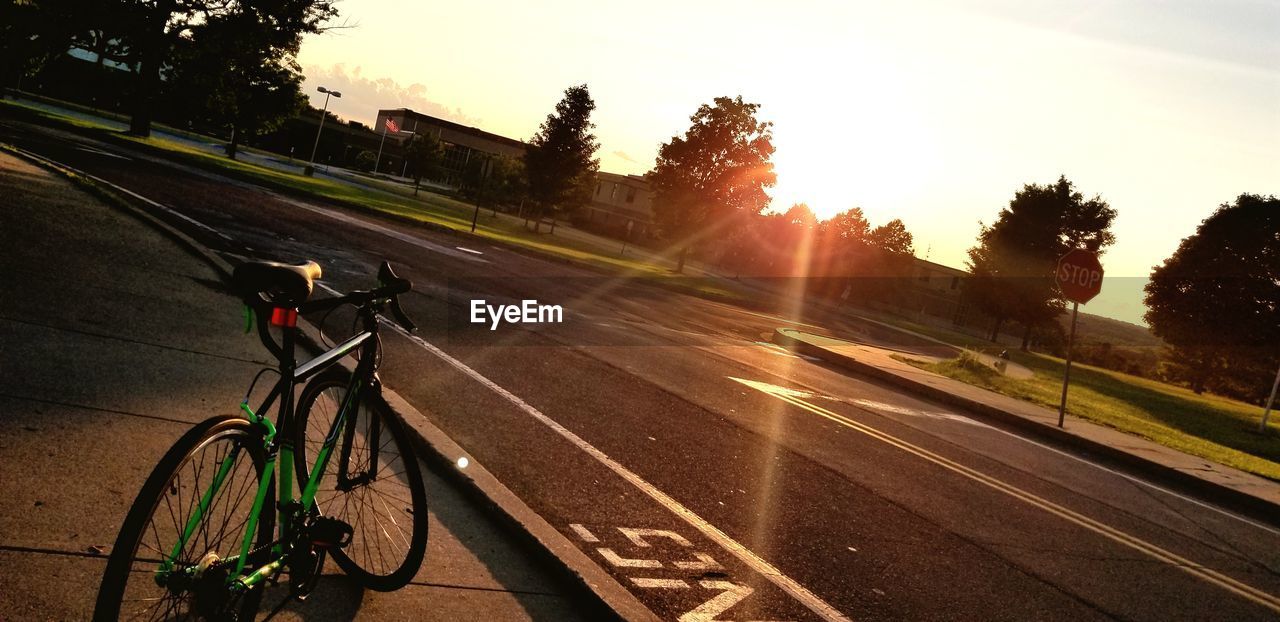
(509, 182)
(849, 226)
(35, 33)
(560, 161)
(425, 154)
(365, 161)
(1216, 300)
(892, 237)
(156, 27)
(1013, 263)
(240, 73)
(714, 177)
(799, 215)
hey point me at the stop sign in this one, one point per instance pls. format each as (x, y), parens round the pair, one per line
(1079, 275)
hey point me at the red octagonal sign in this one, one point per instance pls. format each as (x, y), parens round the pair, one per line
(1080, 275)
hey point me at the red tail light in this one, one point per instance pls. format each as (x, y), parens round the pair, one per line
(283, 316)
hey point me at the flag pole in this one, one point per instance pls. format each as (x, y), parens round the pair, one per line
(405, 171)
(378, 163)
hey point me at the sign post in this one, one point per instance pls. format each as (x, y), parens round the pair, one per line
(1079, 277)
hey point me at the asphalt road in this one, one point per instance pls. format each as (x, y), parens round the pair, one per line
(721, 478)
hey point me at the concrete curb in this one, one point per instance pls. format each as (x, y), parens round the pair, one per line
(610, 598)
(1256, 508)
(106, 191)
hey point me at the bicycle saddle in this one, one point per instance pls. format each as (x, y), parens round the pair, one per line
(281, 283)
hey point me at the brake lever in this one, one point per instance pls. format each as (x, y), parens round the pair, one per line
(387, 277)
(399, 315)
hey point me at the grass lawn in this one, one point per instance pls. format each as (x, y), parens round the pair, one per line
(429, 208)
(1209, 426)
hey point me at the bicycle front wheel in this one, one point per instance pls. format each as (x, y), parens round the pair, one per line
(203, 488)
(371, 482)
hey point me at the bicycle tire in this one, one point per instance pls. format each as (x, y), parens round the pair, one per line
(162, 488)
(397, 488)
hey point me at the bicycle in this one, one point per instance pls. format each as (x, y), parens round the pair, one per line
(201, 539)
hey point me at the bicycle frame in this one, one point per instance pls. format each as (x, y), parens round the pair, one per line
(281, 455)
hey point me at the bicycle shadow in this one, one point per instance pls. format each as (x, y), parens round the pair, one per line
(472, 570)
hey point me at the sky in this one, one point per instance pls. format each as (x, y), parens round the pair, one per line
(934, 112)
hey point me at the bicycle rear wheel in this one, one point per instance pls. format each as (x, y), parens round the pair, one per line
(228, 449)
(379, 492)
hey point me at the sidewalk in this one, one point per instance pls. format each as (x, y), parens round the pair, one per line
(1226, 485)
(113, 341)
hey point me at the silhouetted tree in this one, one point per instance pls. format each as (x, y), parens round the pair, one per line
(154, 27)
(713, 177)
(425, 154)
(801, 216)
(849, 226)
(1216, 300)
(892, 237)
(560, 162)
(1013, 263)
(239, 72)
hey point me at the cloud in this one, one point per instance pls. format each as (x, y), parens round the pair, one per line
(622, 155)
(363, 97)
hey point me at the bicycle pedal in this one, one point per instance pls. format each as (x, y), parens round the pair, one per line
(327, 533)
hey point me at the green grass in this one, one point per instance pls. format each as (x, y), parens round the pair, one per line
(428, 209)
(1212, 427)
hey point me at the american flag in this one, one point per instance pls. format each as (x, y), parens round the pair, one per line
(391, 126)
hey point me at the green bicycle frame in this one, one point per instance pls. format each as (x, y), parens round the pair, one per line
(281, 455)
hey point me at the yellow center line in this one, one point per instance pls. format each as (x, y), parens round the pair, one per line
(1197, 570)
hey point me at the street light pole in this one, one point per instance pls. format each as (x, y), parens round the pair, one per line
(323, 113)
(1270, 401)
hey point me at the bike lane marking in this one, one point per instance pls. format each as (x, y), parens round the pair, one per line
(756, 563)
(725, 593)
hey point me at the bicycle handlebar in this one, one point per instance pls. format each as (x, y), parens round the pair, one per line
(389, 288)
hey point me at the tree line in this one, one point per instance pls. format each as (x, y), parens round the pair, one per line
(225, 63)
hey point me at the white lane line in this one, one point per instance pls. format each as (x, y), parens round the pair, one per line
(387, 231)
(467, 250)
(101, 152)
(753, 561)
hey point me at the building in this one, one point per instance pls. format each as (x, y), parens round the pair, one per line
(461, 143)
(621, 205)
(937, 290)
